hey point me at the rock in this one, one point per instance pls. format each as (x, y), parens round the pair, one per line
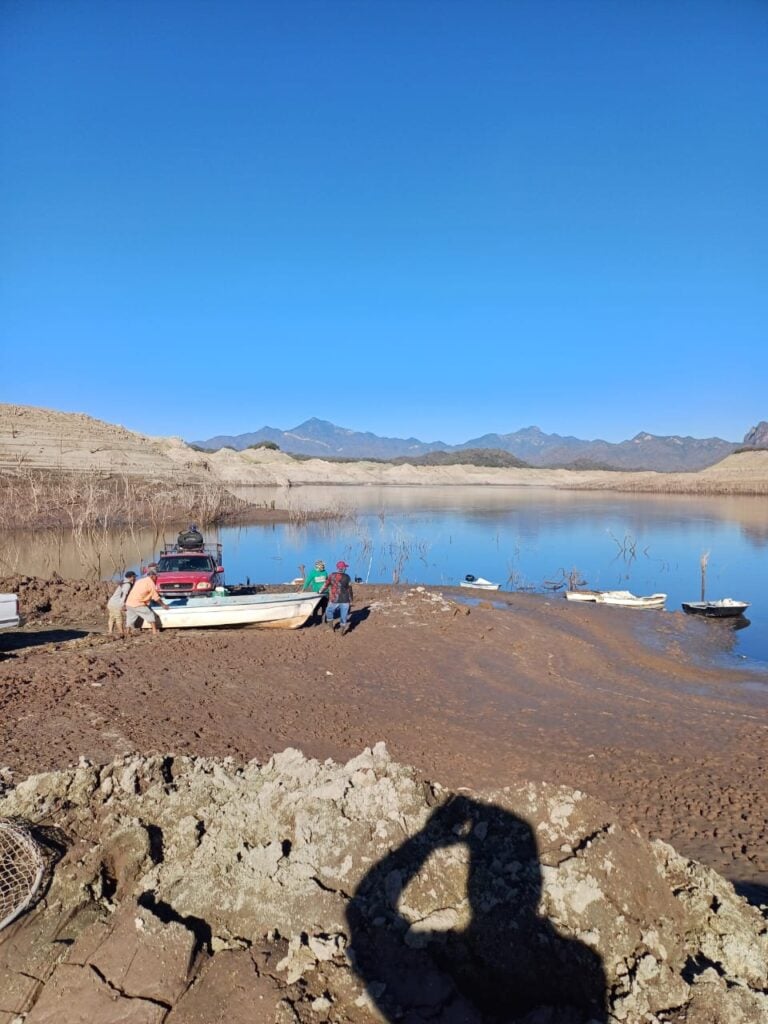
(229, 990)
(144, 957)
(77, 995)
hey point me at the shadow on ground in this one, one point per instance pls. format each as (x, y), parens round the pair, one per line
(752, 892)
(19, 640)
(487, 959)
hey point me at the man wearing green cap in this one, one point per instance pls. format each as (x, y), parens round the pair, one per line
(315, 582)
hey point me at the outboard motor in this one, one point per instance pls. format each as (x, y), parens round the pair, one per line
(190, 540)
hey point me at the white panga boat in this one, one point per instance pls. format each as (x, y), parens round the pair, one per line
(478, 583)
(282, 611)
(620, 598)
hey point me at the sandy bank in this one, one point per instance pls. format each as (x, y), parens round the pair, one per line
(32, 438)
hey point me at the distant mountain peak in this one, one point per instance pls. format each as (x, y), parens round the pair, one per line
(315, 422)
(757, 435)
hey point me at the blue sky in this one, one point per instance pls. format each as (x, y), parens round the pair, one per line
(417, 218)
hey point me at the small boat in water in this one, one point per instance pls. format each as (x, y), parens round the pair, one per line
(619, 598)
(478, 583)
(726, 608)
(282, 611)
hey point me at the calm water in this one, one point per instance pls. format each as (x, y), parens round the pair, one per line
(526, 538)
(521, 538)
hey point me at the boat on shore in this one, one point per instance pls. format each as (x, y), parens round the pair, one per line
(619, 598)
(583, 595)
(726, 608)
(281, 611)
(478, 583)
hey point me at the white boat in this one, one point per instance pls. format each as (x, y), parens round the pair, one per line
(282, 611)
(625, 599)
(620, 598)
(582, 595)
(478, 583)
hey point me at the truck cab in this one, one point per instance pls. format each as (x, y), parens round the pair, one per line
(189, 573)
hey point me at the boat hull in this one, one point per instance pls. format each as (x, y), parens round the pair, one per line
(270, 611)
(621, 600)
(716, 609)
(617, 598)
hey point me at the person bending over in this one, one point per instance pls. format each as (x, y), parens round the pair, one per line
(137, 605)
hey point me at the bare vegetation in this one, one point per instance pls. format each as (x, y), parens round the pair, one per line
(96, 501)
(492, 457)
(678, 483)
(112, 520)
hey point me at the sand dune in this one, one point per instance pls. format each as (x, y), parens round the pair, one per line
(44, 439)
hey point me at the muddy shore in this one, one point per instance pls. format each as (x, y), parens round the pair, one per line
(641, 711)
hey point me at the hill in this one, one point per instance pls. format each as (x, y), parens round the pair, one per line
(44, 440)
(493, 457)
(531, 445)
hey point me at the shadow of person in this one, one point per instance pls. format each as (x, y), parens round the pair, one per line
(484, 956)
(358, 616)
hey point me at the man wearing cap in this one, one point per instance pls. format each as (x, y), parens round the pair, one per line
(316, 579)
(315, 582)
(138, 601)
(339, 587)
(116, 604)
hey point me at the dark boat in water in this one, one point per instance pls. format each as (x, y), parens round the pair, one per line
(727, 608)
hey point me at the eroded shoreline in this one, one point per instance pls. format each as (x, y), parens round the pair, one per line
(476, 696)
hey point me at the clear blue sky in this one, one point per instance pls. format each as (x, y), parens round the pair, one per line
(433, 218)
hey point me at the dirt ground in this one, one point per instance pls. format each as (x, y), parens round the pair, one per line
(638, 708)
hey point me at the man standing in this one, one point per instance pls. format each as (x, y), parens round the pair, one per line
(138, 601)
(339, 587)
(315, 581)
(116, 604)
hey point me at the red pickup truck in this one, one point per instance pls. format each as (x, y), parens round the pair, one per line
(187, 573)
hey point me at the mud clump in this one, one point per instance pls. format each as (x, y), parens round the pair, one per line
(194, 891)
(58, 600)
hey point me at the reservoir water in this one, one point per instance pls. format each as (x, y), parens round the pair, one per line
(522, 538)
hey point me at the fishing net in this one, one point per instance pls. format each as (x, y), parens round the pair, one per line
(21, 869)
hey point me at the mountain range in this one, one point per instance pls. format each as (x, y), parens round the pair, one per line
(531, 445)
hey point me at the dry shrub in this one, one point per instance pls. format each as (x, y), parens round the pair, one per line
(679, 485)
(91, 501)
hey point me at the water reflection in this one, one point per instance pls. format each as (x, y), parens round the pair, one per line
(750, 514)
(95, 555)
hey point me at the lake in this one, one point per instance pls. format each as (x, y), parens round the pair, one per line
(523, 538)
